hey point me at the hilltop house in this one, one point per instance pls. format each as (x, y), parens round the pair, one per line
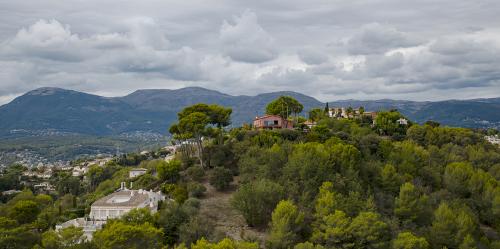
(342, 112)
(272, 122)
(114, 206)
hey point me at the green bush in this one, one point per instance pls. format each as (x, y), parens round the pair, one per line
(196, 189)
(221, 178)
(196, 173)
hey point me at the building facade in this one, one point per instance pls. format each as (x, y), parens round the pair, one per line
(113, 206)
(136, 172)
(272, 122)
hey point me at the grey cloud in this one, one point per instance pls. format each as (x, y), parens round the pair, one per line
(375, 38)
(312, 56)
(331, 50)
(245, 40)
(287, 77)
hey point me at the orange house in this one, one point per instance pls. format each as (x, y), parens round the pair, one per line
(272, 122)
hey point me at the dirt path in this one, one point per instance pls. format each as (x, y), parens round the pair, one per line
(216, 206)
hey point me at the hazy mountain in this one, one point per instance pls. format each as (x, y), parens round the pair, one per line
(60, 110)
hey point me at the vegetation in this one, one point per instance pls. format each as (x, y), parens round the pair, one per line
(345, 183)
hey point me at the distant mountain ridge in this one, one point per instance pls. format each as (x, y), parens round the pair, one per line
(69, 111)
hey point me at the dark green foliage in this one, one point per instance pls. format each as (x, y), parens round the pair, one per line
(195, 173)
(256, 201)
(340, 185)
(196, 189)
(221, 178)
(168, 171)
(170, 218)
(197, 228)
(387, 124)
(117, 234)
(24, 211)
(284, 106)
(138, 216)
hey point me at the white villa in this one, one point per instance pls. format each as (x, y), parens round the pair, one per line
(121, 202)
(114, 206)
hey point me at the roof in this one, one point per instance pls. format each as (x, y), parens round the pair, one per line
(122, 198)
(268, 116)
(139, 169)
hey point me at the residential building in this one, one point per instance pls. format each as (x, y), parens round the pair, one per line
(79, 170)
(121, 202)
(115, 205)
(310, 124)
(337, 112)
(137, 172)
(272, 122)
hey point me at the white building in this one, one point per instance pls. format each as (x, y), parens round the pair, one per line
(402, 121)
(121, 202)
(137, 172)
(79, 171)
(493, 139)
(339, 112)
(114, 206)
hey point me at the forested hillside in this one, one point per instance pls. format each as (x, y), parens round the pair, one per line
(344, 183)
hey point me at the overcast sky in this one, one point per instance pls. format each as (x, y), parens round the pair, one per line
(362, 49)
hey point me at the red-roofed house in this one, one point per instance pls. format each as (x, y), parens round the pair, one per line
(272, 122)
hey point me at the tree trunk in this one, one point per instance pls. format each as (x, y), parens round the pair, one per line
(199, 144)
(221, 136)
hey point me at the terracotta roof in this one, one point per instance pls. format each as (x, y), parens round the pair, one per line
(267, 116)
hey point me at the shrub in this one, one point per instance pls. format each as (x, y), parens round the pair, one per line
(196, 173)
(196, 189)
(221, 178)
(257, 200)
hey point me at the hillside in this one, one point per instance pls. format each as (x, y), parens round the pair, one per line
(345, 185)
(65, 111)
(60, 110)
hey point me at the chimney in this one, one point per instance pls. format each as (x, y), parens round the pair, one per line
(131, 185)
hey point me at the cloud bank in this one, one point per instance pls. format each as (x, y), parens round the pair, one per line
(328, 50)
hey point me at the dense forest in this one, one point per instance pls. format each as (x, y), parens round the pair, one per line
(344, 183)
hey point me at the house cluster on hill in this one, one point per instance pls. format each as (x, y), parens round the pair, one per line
(278, 122)
(346, 113)
(114, 206)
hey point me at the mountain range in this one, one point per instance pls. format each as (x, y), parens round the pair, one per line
(153, 110)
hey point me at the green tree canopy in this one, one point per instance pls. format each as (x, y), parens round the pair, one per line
(286, 225)
(117, 234)
(284, 106)
(407, 240)
(256, 200)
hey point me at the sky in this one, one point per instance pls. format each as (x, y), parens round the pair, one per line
(331, 50)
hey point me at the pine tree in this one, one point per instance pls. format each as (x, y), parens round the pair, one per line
(286, 225)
